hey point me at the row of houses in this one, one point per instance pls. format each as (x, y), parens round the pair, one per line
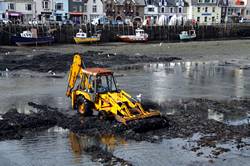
(151, 11)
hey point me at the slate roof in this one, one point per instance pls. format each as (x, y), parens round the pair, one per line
(137, 2)
(196, 2)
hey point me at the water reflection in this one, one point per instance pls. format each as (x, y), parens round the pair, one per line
(81, 143)
(236, 118)
(161, 82)
(158, 82)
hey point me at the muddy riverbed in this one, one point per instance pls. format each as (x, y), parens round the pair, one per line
(204, 103)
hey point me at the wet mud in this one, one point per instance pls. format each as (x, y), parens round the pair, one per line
(58, 62)
(191, 116)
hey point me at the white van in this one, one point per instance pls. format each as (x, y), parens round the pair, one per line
(100, 20)
(244, 20)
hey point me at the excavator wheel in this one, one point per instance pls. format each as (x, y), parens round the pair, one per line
(83, 106)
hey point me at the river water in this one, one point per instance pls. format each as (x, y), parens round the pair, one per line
(156, 82)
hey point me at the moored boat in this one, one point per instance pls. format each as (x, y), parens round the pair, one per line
(187, 35)
(81, 37)
(140, 36)
(31, 38)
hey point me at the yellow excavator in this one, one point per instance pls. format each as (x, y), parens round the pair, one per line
(95, 89)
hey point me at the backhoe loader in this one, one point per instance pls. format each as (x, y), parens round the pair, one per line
(95, 89)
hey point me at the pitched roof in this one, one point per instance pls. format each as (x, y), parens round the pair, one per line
(137, 2)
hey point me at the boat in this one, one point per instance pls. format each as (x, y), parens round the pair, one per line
(31, 38)
(140, 36)
(81, 37)
(187, 35)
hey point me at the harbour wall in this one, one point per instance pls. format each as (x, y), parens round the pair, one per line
(64, 33)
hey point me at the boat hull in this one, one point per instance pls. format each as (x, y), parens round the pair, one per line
(186, 37)
(20, 41)
(79, 40)
(132, 39)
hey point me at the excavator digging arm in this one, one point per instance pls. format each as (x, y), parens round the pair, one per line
(75, 72)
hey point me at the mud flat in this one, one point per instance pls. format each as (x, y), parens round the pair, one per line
(58, 62)
(182, 118)
(190, 117)
(188, 51)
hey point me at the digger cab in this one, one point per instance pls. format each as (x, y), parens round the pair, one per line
(98, 80)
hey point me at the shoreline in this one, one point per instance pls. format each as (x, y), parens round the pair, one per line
(194, 50)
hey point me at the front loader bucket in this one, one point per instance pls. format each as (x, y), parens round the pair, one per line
(124, 120)
(148, 124)
(144, 122)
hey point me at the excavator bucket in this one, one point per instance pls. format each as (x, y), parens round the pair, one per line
(145, 115)
(144, 122)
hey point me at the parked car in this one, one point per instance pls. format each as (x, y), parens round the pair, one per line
(100, 21)
(34, 22)
(68, 22)
(5, 21)
(244, 20)
(117, 22)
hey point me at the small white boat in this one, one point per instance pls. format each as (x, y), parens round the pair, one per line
(187, 35)
(140, 36)
(81, 37)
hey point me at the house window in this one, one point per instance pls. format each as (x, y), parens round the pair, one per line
(180, 10)
(213, 9)
(207, 1)
(59, 6)
(74, 8)
(94, 1)
(213, 19)
(198, 19)
(205, 9)
(247, 12)
(151, 9)
(94, 9)
(198, 9)
(149, 2)
(28, 7)
(171, 10)
(200, 1)
(162, 9)
(45, 4)
(85, 8)
(11, 6)
(205, 19)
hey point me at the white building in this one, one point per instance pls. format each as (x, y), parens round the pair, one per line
(247, 11)
(204, 11)
(173, 11)
(151, 12)
(60, 10)
(17, 10)
(44, 10)
(236, 9)
(93, 9)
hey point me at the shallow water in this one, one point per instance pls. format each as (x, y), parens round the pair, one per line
(51, 147)
(156, 82)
